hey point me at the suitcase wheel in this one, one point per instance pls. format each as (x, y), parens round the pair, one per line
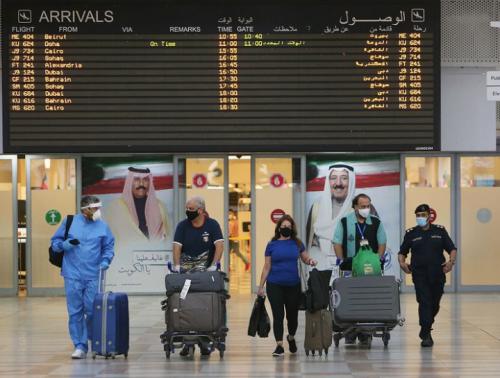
(385, 338)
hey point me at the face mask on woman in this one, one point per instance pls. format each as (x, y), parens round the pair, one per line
(286, 232)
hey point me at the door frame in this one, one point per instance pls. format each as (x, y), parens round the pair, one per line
(45, 291)
(452, 287)
(13, 290)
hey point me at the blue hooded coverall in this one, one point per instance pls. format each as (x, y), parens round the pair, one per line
(80, 270)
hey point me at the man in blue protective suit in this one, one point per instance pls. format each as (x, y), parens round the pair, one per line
(88, 248)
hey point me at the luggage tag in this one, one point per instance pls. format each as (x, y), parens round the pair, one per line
(185, 289)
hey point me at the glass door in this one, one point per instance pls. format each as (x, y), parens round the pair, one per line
(51, 196)
(8, 226)
(239, 224)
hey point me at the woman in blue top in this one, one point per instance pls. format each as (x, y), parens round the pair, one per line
(283, 281)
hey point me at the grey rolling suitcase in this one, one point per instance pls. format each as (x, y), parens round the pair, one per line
(198, 312)
(368, 299)
(318, 335)
(200, 282)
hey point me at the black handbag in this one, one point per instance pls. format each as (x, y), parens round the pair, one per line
(318, 291)
(56, 258)
(259, 323)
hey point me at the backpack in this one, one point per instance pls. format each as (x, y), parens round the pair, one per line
(56, 258)
(366, 263)
(318, 290)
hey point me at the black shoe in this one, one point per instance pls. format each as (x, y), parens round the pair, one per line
(427, 341)
(185, 351)
(292, 345)
(279, 351)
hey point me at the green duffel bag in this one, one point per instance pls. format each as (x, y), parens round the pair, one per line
(366, 263)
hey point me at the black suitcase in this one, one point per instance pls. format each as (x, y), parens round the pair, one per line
(368, 299)
(318, 333)
(213, 282)
(198, 312)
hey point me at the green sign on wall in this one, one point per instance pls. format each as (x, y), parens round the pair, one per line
(53, 217)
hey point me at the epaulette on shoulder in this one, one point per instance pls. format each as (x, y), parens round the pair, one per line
(439, 226)
(410, 229)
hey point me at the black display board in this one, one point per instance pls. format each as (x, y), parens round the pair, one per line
(220, 76)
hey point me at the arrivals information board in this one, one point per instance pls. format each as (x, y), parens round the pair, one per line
(220, 76)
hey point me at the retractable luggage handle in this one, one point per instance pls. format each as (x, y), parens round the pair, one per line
(102, 281)
(171, 270)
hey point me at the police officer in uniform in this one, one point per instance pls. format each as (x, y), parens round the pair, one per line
(427, 267)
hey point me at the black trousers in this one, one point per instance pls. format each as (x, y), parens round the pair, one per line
(284, 298)
(429, 291)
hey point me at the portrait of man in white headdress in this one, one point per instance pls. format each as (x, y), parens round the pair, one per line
(334, 203)
(138, 214)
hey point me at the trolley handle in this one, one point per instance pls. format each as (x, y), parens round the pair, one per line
(102, 281)
(181, 270)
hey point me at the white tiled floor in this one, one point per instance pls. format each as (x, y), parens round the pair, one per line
(34, 342)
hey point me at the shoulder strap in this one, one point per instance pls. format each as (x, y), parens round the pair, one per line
(69, 220)
(344, 236)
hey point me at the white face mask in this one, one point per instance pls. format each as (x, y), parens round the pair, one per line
(97, 215)
(364, 212)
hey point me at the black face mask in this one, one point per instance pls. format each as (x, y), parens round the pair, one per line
(285, 232)
(191, 215)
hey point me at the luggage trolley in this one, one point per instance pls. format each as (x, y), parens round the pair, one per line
(177, 338)
(367, 304)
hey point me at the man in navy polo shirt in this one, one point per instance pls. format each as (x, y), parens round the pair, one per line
(198, 245)
(198, 240)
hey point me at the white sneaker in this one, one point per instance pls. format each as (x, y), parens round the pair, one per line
(78, 354)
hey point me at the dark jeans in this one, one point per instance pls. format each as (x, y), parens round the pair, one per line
(429, 292)
(284, 298)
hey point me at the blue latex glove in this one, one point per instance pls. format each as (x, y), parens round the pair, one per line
(104, 265)
(67, 246)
